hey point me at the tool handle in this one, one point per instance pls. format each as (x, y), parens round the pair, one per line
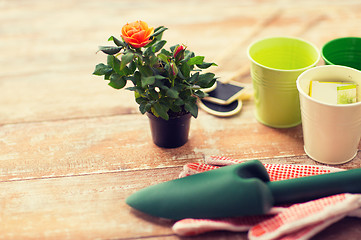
(317, 186)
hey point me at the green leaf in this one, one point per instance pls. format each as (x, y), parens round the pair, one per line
(192, 108)
(166, 52)
(211, 83)
(126, 71)
(137, 79)
(158, 46)
(172, 48)
(145, 107)
(206, 65)
(161, 110)
(163, 57)
(145, 70)
(141, 100)
(172, 93)
(138, 91)
(148, 107)
(178, 102)
(193, 78)
(131, 88)
(132, 66)
(149, 51)
(148, 81)
(107, 76)
(180, 75)
(159, 77)
(126, 58)
(139, 56)
(158, 31)
(116, 41)
(200, 94)
(153, 60)
(110, 50)
(114, 63)
(154, 112)
(185, 94)
(117, 81)
(154, 94)
(187, 55)
(142, 108)
(175, 108)
(195, 60)
(185, 69)
(204, 80)
(102, 69)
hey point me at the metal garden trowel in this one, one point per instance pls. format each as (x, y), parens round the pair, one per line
(237, 190)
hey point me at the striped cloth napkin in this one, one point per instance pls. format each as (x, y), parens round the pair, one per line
(294, 222)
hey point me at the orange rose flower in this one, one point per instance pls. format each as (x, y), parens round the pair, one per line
(137, 34)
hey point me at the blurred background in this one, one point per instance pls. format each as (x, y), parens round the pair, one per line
(48, 48)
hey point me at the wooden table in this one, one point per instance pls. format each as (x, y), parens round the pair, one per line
(72, 148)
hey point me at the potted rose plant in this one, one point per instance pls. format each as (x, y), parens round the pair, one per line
(166, 83)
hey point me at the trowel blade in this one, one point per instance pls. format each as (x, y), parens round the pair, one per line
(236, 190)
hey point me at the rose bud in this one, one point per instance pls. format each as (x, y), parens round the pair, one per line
(173, 68)
(179, 53)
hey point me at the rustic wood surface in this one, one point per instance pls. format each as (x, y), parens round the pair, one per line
(72, 148)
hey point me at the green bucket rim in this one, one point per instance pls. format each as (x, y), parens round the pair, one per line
(284, 70)
(348, 49)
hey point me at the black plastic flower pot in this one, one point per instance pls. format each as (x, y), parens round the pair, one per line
(170, 133)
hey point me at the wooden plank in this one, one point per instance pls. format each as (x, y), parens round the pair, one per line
(116, 143)
(81, 146)
(82, 207)
(92, 206)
